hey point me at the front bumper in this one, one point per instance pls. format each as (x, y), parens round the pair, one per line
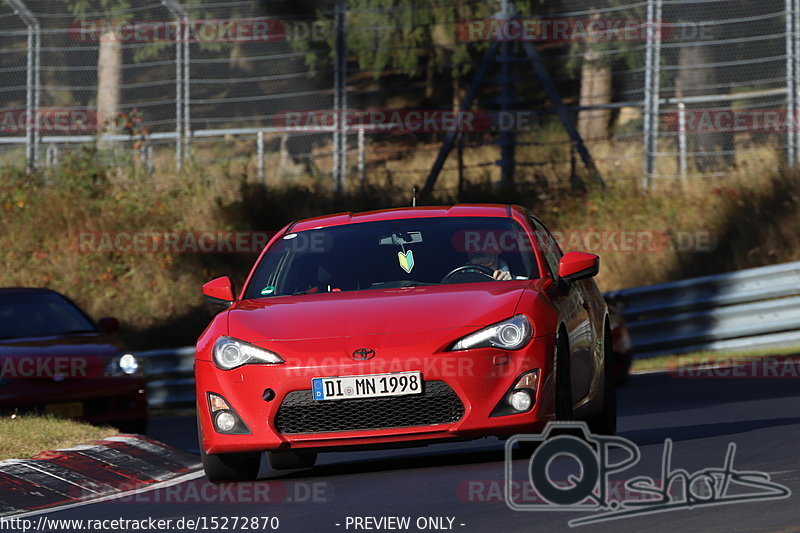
(479, 378)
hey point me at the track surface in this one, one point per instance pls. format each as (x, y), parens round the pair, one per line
(701, 416)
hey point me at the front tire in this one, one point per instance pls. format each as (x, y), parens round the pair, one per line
(231, 466)
(605, 422)
(563, 393)
(563, 381)
(228, 466)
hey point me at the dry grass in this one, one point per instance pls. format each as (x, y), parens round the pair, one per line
(752, 214)
(25, 436)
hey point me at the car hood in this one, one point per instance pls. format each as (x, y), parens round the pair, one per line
(76, 356)
(371, 312)
(84, 344)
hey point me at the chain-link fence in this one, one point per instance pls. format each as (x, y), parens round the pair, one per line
(728, 79)
(359, 91)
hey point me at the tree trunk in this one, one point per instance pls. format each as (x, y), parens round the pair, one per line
(595, 90)
(109, 78)
(693, 81)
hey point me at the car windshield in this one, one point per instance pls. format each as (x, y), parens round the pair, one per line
(395, 253)
(40, 315)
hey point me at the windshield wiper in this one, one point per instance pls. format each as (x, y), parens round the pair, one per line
(403, 283)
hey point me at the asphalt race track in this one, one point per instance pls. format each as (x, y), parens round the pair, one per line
(464, 481)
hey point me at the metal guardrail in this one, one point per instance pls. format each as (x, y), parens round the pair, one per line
(755, 309)
(170, 378)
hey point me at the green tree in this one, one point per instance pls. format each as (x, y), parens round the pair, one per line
(411, 37)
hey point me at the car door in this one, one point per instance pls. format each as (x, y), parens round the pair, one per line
(574, 307)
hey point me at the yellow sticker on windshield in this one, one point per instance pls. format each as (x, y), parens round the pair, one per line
(406, 260)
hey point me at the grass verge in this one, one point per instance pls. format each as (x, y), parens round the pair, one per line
(23, 437)
(666, 363)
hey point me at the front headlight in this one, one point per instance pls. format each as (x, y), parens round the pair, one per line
(124, 365)
(511, 334)
(231, 353)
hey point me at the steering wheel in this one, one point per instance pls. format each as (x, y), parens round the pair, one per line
(481, 269)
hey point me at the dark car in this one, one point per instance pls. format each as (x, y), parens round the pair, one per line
(54, 359)
(620, 339)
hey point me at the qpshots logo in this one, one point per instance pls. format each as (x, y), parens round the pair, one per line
(600, 460)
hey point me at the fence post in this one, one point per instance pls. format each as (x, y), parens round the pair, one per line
(32, 96)
(51, 155)
(260, 152)
(361, 157)
(178, 100)
(506, 98)
(790, 81)
(340, 99)
(182, 130)
(795, 9)
(651, 90)
(682, 139)
(149, 158)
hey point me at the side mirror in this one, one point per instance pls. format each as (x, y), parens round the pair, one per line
(578, 265)
(108, 324)
(219, 291)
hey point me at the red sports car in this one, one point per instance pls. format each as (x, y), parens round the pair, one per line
(55, 360)
(400, 327)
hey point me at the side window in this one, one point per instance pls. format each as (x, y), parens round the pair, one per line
(550, 248)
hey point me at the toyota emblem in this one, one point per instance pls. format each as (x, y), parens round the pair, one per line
(362, 354)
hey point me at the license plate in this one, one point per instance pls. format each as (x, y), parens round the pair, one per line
(370, 386)
(66, 410)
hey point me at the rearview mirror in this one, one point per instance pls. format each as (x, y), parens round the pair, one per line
(108, 324)
(578, 265)
(219, 291)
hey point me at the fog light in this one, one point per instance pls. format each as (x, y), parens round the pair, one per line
(520, 400)
(225, 421)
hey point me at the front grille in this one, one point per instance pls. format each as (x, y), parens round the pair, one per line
(300, 413)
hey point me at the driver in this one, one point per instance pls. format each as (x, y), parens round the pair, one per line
(490, 259)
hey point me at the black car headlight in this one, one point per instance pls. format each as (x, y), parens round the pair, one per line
(230, 353)
(510, 334)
